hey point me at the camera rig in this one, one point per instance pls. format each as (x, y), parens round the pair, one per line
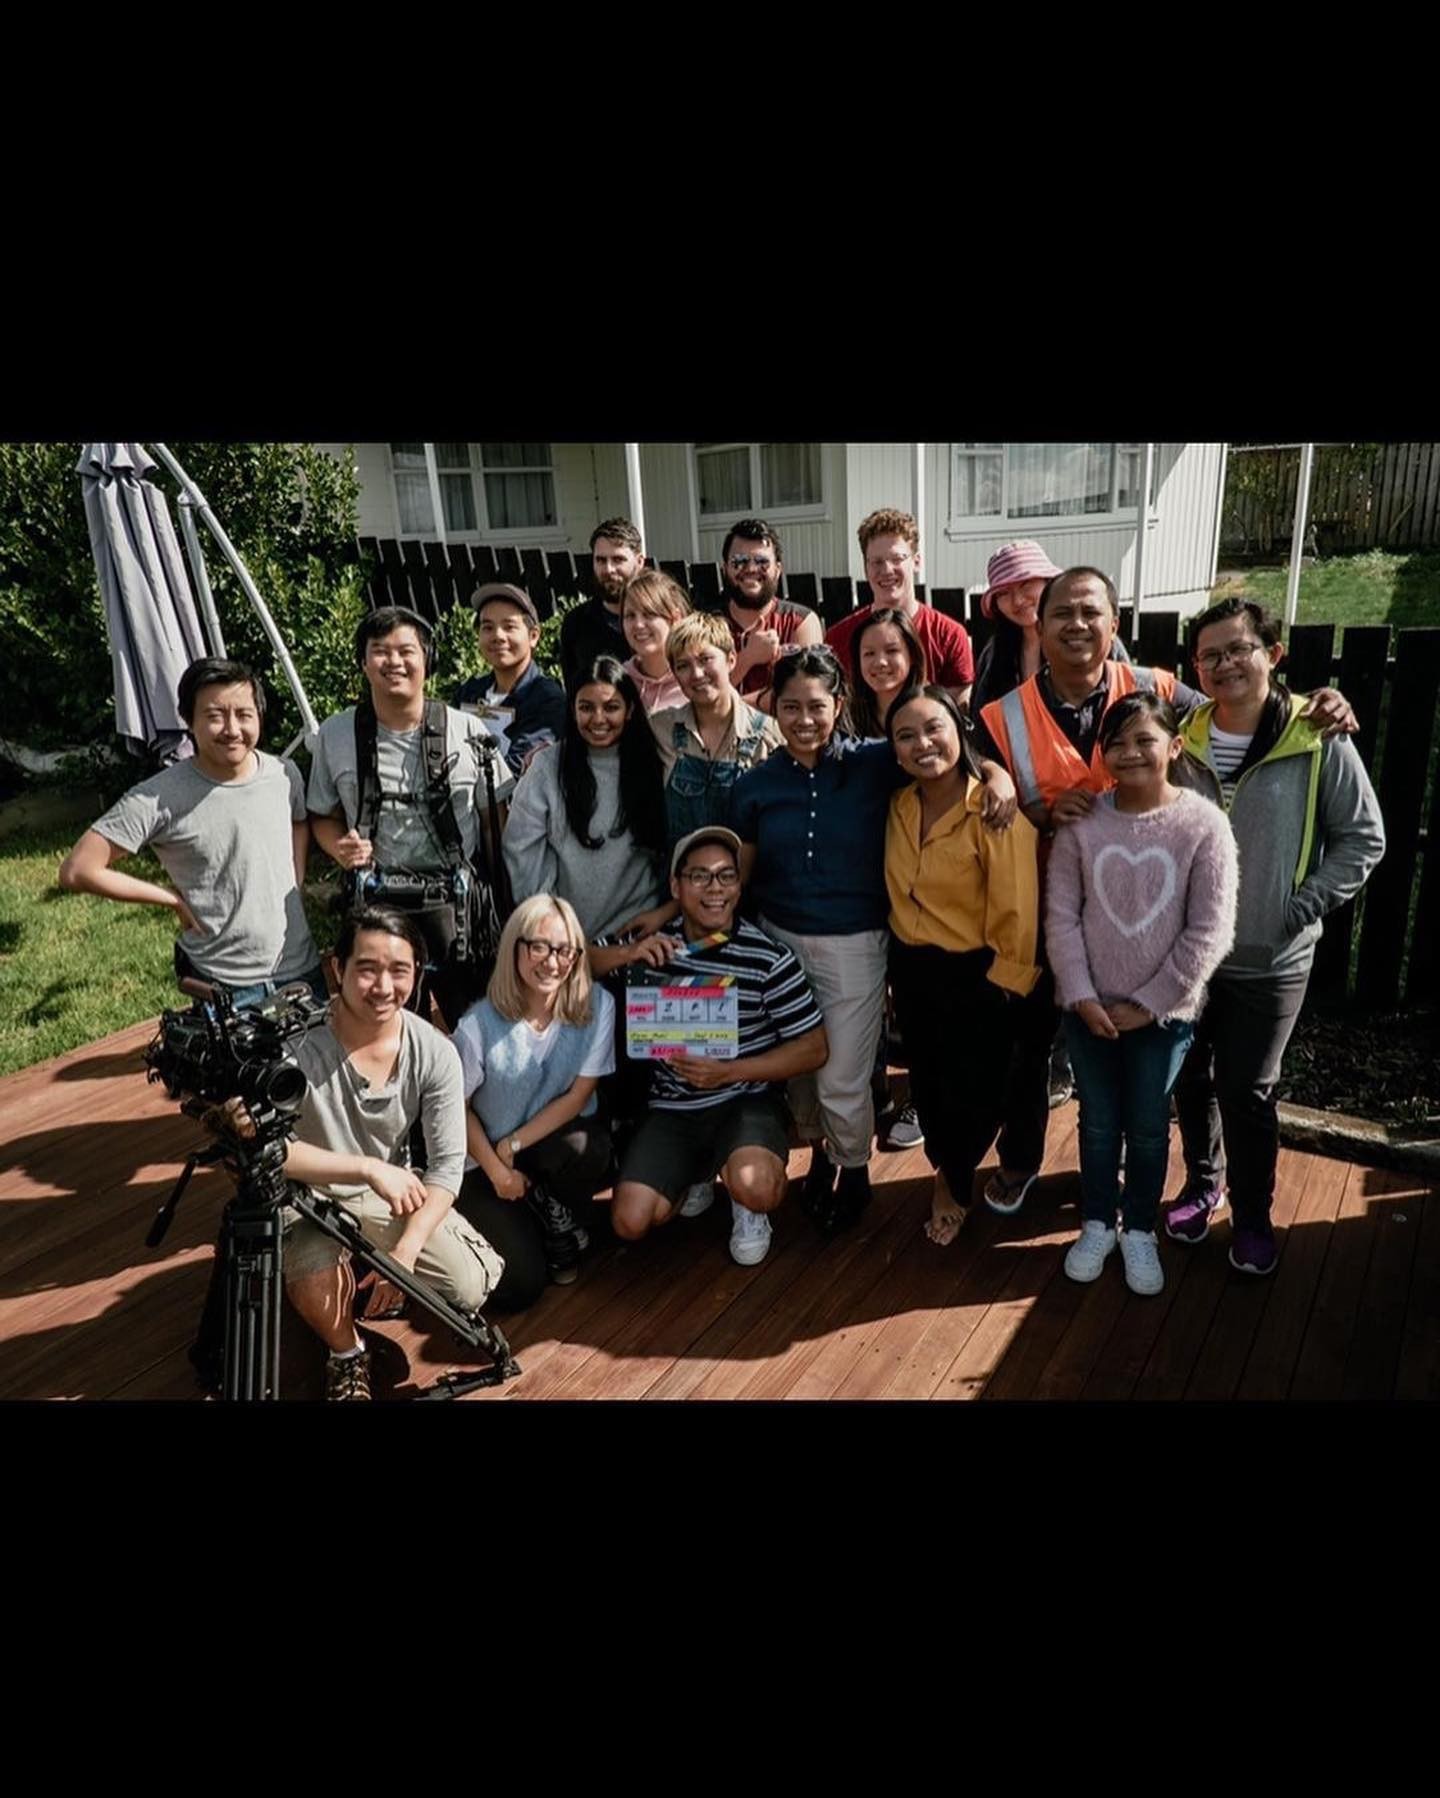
(215, 1061)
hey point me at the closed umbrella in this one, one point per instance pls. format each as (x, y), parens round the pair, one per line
(154, 629)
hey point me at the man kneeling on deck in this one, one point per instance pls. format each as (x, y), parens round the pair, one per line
(726, 1115)
(374, 1070)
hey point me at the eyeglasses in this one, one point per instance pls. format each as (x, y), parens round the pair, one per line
(761, 564)
(1232, 652)
(898, 560)
(540, 950)
(711, 877)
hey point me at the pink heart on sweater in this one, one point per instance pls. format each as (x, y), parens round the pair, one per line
(1166, 862)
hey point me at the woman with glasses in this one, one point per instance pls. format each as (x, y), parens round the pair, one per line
(1309, 832)
(532, 1052)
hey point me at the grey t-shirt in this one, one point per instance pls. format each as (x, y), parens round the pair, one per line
(343, 1112)
(405, 836)
(227, 847)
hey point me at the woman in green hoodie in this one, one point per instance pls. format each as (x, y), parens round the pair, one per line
(1308, 830)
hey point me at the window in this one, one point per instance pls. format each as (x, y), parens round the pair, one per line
(1027, 481)
(485, 488)
(732, 479)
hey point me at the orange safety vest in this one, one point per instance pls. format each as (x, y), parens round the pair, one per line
(1043, 760)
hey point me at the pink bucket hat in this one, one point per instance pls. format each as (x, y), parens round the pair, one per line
(1022, 561)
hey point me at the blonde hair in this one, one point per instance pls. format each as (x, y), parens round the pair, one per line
(655, 594)
(699, 630)
(506, 991)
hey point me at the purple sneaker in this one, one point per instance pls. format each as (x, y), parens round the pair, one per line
(1188, 1219)
(1254, 1252)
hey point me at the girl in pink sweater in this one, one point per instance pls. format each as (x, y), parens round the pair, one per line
(1140, 911)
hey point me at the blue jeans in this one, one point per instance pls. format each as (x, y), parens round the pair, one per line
(241, 996)
(1124, 1086)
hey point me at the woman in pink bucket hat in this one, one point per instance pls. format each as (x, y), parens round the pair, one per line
(1014, 579)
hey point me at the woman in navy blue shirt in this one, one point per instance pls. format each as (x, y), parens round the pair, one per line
(812, 818)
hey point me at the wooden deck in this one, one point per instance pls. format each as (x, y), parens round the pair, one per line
(88, 1151)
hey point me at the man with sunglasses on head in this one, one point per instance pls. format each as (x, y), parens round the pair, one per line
(725, 1116)
(764, 626)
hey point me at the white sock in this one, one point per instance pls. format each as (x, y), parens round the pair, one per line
(347, 1354)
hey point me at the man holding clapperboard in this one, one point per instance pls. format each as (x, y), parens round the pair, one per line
(728, 1020)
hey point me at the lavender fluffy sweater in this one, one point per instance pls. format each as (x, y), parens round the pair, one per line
(1141, 906)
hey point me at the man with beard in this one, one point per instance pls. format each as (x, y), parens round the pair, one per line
(594, 628)
(764, 626)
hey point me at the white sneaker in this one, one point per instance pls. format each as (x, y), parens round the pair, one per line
(1141, 1254)
(698, 1199)
(1089, 1251)
(749, 1235)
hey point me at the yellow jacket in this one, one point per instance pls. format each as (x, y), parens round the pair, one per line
(966, 887)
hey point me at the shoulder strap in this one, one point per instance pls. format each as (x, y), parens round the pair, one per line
(367, 768)
(1144, 677)
(439, 796)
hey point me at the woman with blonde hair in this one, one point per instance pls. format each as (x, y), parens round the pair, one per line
(652, 604)
(532, 1052)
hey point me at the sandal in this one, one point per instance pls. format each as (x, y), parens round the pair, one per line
(1007, 1196)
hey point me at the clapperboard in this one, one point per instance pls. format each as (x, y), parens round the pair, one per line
(668, 1013)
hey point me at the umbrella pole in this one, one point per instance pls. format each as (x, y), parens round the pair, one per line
(202, 576)
(242, 574)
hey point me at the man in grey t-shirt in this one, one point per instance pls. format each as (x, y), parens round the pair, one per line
(393, 649)
(375, 1071)
(229, 827)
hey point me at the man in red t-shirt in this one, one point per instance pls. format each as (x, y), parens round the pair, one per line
(764, 626)
(890, 544)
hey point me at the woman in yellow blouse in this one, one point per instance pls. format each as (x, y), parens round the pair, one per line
(963, 907)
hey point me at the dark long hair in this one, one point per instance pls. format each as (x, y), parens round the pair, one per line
(969, 758)
(642, 783)
(862, 717)
(999, 669)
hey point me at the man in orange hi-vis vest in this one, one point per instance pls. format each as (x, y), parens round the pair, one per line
(1046, 730)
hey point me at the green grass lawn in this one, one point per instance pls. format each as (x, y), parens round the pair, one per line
(73, 967)
(1373, 588)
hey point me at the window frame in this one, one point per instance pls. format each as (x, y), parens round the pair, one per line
(539, 536)
(989, 524)
(812, 512)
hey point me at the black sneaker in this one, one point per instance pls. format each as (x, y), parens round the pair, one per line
(564, 1239)
(903, 1131)
(347, 1377)
(819, 1183)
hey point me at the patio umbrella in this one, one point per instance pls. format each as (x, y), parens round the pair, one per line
(149, 607)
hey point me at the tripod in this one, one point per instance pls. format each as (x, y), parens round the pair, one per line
(249, 1272)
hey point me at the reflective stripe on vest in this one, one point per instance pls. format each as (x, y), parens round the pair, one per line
(1022, 762)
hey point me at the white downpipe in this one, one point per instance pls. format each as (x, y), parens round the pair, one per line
(1219, 512)
(1297, 542)
(432, 475)
(634, 491)
(252, 592)
(1142, 531)
(917, 500)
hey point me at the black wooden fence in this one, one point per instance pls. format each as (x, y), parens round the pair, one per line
(1378, 952)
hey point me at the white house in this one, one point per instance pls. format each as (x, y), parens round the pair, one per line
(1080, 500)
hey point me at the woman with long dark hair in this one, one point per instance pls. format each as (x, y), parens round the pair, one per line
(886, 659)
(812, 819)
(963, 905)
(587, 820)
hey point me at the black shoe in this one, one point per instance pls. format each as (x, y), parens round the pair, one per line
(564, 1239)
(851, 1196)
(348, 1379)
(819, 1183)
(903, 1131)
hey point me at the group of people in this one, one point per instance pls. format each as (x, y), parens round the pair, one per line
(840, 828)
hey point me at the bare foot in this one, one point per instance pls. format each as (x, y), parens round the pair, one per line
(947, 1219)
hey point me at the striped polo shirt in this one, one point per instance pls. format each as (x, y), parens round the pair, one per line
(776, 1005)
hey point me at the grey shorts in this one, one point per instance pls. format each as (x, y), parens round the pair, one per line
(675, 1149)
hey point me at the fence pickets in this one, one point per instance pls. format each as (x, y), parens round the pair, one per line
(1392, 503)
(1398, 692)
